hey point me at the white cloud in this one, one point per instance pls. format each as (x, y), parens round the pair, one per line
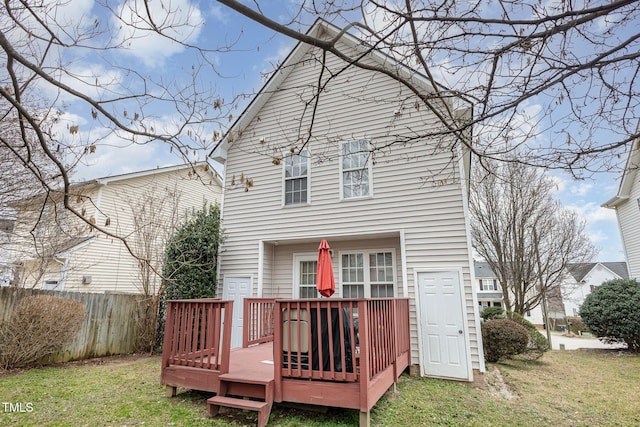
(560, 182)
(581, 189)
(593, 213)
(92, 80)
(179, 20)
(218, 13)
(114, 156)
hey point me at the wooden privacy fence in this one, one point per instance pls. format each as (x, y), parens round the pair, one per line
(110, 325)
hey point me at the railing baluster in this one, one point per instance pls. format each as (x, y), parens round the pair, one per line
(194, 333)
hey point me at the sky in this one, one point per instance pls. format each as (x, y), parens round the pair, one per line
(256, 50)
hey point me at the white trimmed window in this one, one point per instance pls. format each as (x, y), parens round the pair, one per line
(355, 169)
(296, 179)
(307, 279)
(367, 274)
(488, 285)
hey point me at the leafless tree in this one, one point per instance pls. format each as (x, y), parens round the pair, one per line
(41, 141)
(155, 216)
(526, 236)
(555, 82)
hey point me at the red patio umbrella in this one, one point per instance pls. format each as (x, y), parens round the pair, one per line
(324, 277)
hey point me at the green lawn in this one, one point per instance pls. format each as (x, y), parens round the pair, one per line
(572, 388)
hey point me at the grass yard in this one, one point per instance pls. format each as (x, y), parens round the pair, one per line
(566, 388)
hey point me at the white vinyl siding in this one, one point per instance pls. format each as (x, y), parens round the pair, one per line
(628, 214)
(431, 217)
(355, 169)
(296, 178)
(106, 259)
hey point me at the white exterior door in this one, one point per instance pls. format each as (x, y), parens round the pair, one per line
(444, 350)
(236, 289)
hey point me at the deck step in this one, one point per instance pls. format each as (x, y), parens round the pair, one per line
(262, 408)
(245, 380)
(246, 387)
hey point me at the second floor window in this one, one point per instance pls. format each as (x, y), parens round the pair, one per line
(296, 179)
(355, 169)
(488, 285)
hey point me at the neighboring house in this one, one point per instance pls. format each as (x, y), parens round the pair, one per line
(53, 249)
(627, 206)
(392, 207)
(490, 294)
(487, 286)
(584, 278)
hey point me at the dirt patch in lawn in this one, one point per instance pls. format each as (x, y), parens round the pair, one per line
(495, 385)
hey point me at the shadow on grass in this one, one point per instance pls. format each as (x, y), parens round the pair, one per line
(281, 414)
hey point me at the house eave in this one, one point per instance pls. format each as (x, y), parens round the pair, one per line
(614, 202)
(320, 27)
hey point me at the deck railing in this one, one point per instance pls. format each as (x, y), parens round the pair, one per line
(198, 334)
(258, 321)
(350, 340)
(388, 333)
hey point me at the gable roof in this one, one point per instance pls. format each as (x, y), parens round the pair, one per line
(482, 269)
(318, 29)
(628, 177)
(159, 170)
(580, 270)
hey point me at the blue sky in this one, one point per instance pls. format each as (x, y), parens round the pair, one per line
(243, 71)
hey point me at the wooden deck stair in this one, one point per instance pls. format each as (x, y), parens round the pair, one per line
(236, 392)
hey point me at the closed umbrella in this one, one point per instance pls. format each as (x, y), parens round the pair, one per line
(324, 278)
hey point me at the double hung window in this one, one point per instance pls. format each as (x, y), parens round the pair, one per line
(355, 165)
(296, 179)
(367, 274)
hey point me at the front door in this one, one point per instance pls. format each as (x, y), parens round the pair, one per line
(236, 289)
(444, 350)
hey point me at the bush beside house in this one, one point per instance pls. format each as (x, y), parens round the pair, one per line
(190, 266)
(537, 344)
(503, 338)
(612, 312)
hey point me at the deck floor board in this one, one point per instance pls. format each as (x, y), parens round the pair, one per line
(251, 363)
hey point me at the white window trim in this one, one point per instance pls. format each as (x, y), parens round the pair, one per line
(495, 285)
(308, 202)
(369, 168)
(297, 258)
(367, 273)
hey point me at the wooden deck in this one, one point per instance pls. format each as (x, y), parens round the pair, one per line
(331, 352)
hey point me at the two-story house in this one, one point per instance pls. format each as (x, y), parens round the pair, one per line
(490, 294)
(627, 206)
(583, 279)
(487, 286)
(53, 249)
(332, 151)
